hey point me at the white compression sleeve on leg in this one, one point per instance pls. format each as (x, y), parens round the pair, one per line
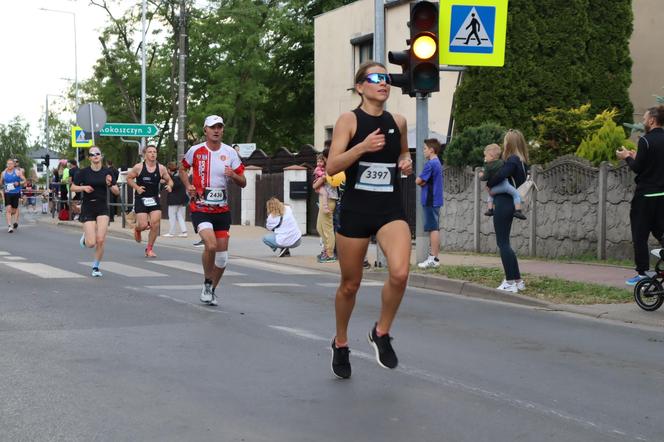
(221, 259)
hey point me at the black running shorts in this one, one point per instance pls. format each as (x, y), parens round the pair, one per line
(11, 199)
(363, 225)
(141, 207)
(90, 210)
(219, 222)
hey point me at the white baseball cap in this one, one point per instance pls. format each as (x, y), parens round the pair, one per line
(212, 120)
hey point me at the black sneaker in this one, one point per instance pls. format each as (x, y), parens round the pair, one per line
(285, 251)
(366, 264)
(340, 361)
(200, 243)
(489, 212)
(16, 225)
(385, 355)
(519, 214)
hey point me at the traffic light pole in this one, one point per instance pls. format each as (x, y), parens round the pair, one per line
(421, 134)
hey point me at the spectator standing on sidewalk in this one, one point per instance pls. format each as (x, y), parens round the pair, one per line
(324, 222)
(515, 155)
(281, 222)
(431, 182)
(646, 214)
(177, 204)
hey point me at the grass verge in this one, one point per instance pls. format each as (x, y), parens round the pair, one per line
(555, 290)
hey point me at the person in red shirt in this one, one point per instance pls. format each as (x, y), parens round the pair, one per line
(212, 164)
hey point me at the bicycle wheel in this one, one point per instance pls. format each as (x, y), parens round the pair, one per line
(648, 294)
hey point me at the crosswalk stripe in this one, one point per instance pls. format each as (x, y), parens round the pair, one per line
(267, 284)
(125, 270)
(365, 283)
(277, 268)
(42, 270)
(3, 253)
(13, 258)
(175, 287)
(190, 267)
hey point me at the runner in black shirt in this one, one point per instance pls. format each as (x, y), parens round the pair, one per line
(93, 182)
(371, 145)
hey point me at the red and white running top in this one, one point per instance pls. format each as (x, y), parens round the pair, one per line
(208, 176)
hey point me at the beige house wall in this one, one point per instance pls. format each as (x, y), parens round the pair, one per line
(334, 68)
(334, 65)
(647, 54)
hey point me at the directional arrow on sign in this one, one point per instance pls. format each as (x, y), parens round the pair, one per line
(128, 130)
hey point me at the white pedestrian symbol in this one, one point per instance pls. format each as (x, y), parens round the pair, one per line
(472, 32)
(81, 137)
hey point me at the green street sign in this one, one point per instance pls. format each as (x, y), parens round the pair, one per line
(128, 130)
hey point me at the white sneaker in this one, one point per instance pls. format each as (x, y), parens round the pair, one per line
(213, 301)
(429, 263)
(521, 285)
(168, 235)
(183, 235)
(206, 294)
(508, 287)
(96, 273)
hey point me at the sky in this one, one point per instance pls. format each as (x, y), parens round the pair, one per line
(38, 51)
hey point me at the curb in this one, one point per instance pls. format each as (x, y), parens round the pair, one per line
(464, 288)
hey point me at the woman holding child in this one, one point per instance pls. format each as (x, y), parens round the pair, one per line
(515, 157)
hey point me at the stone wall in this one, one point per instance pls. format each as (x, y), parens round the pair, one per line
(578, 210)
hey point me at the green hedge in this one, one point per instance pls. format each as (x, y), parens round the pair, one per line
(559, 54)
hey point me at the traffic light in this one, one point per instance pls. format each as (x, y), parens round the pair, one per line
(402, 80)
(425, 75)
(419, 63)
(47, 160)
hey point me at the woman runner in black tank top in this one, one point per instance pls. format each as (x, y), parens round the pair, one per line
(147, 206)
(371, 146)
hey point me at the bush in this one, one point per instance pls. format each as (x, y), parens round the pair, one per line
(603, 143)
(467, 147)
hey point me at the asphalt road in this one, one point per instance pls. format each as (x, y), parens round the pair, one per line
(134, 356)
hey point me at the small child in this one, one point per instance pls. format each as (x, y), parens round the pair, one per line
(319, 172)
(492, 164)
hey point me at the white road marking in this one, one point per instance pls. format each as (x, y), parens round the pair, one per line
(3, 253)
(175, 287)
(277, 268)
(42, 270)
(13, 258)
(267, 284)
(125, 270)
(197, 306)
(477, 391)
(365, 283)
(194, 267)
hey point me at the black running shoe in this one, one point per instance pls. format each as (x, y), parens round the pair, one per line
(340, 361)
(16, 225)
(385, 355)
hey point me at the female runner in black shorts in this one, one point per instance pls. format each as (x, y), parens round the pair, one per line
(371, 146)
(92, 182)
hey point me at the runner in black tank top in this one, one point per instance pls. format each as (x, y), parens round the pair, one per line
(371, 146)
(146, 200)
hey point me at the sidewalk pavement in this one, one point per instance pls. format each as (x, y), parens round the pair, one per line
(246, 242)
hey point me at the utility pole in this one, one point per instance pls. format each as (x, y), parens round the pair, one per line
(182, 84)
(143, 79)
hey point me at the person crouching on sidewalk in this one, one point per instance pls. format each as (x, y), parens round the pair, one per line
(286, 233)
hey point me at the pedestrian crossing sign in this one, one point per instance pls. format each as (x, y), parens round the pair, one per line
(79, 138)
(473, 32)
